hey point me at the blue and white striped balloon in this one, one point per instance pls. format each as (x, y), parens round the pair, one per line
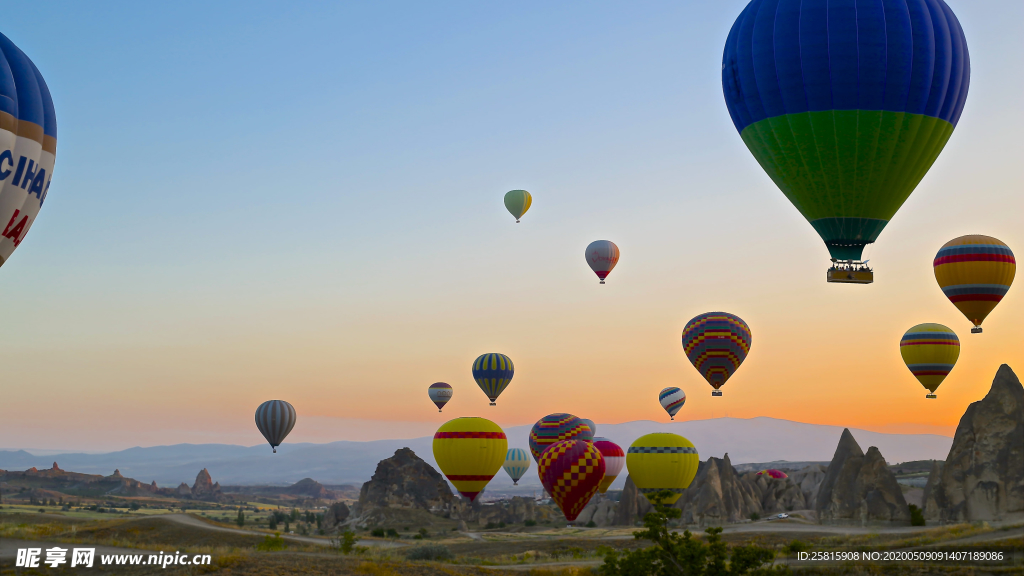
(590, 424)
(517, 462)
(275, 419)
(28, 145)
(672, 399)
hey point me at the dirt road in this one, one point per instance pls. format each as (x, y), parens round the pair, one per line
(194, 522)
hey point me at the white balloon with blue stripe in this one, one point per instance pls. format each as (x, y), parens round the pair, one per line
(517, 463)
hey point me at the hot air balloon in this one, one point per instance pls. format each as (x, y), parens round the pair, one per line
(470, 451)
(555, 428)
(930, 351)
(614, 460)
(672, 399)
(28, 145)
(772, 473)
(662, 461)
(590, 424)
(518, 202)
(975, 273)
(517, 462)
(492, 373)
(275, 419)
(440, 393)
(716, 343)
(602, 255)
(571, 471)
(846, 105)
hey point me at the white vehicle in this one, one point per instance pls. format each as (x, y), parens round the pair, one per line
(781, 516)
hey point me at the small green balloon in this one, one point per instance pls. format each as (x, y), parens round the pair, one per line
(518, 202)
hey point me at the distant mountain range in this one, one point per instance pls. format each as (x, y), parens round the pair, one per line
(746, 440)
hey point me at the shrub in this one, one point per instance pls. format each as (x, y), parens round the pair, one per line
(424, 532)
(377, 533)
(916, 516)
(591, 524)
(674, 553)
(755, 516)
(272, 543)
(430, 552)
(392, 533)
(347, 542)
(531, 522)
(490, 526)
(501, 524)
(796, 546)
(417, 536)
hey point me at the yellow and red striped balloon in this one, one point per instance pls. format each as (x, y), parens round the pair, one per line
(470, 451)
(975, 272)
(930, 351)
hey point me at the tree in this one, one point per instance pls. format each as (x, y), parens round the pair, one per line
(272, 522)
(348, 542)
(683, 555)
(241, 518)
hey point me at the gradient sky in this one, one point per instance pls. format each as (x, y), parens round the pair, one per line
(304, 201)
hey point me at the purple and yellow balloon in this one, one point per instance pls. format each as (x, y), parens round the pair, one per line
(716, 344)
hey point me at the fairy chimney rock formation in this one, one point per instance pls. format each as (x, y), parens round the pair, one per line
(983, 475)
(859, 487)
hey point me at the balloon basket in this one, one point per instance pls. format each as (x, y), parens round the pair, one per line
(716, 392)
(494, 403)
(517, 221)
(602, 281)
(850, 272)
(930, 396)
(275, 450)
(976, 330)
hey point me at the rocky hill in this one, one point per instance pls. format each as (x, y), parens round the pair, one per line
(982, 478)
(859, 487)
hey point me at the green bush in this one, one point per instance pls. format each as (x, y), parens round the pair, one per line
(796, 546)
(490, 526)
(916, 516)
(347, 542)
(755, 516)
(392, 533)
(430, 552)
(591, 524)
(531, 522)
(683, 554)
(377, 533)
(272, 543)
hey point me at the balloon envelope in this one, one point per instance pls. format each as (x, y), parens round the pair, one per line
(517, 202)
(555, 428)
(470, 451)
(772, 473)
(571, 471)
(930, 352)
(275, 419)
(440, 393)
(614, 460)
(975, 272)
(517, 462)
(28, 145)
(602, 256)
(716, 344)
(492, 373)
(662, 461)
(672, 399)
(590, 424)
(846, 105)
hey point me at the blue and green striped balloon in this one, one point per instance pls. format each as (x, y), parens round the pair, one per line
(846, 104)
(492, 373)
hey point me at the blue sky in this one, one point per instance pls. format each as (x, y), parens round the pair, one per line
(257, 200)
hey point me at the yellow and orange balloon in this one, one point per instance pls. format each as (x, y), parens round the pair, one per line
(930, 352)
(975, 272)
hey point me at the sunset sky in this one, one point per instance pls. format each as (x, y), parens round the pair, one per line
(303, 201)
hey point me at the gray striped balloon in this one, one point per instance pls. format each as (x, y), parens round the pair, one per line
(275, 419)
